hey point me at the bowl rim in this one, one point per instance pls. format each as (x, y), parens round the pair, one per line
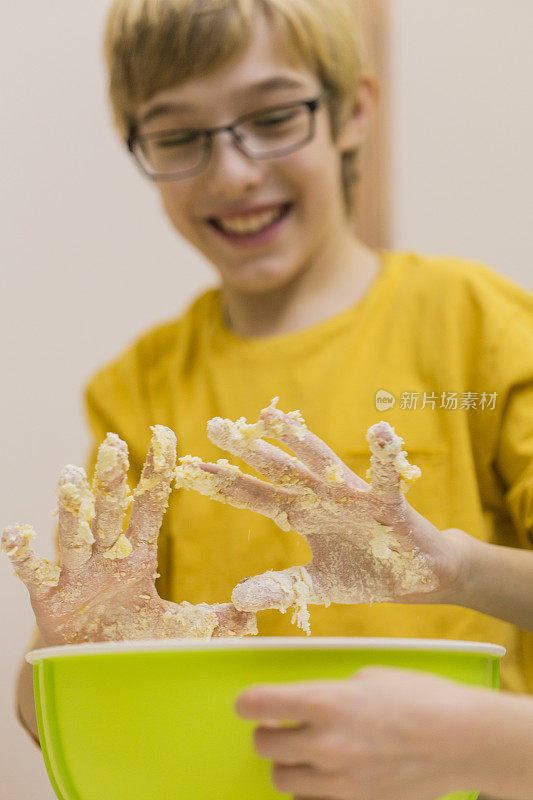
(266, 643)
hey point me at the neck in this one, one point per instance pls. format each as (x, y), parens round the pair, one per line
(337, 279)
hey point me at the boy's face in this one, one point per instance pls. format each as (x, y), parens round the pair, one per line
(236, 191)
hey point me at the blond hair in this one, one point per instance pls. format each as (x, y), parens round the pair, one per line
(151, 45)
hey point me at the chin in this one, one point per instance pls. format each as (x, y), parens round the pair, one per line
(258, 281)
(257, 287)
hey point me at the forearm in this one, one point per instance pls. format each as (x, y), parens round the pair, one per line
(25, 701)
(503, 729)
(494, 580)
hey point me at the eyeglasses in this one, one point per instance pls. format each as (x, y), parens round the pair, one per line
(271, 132)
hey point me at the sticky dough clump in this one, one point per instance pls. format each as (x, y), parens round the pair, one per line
(108, 460)
(392, 452)
(296, 590)
(162, 444)
(303, 590)
(75, 497)
(121, 549)
(334, 473)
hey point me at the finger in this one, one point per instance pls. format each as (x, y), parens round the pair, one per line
(111, 496)
(186, 621)
(297, 702)
(232, 622)
(292, 587)
(307, 797)
(283, 745)
(390, 472)
(226, 483)
(308, 781)
(242, 440)
(310, 449)
(75, 515)
(38, 575)
(150, 497)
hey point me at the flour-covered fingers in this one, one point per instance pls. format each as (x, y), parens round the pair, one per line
(315, 454)
(150, 498)
(390, 472)
(243, 440)
(292, 588)
(75, 504)
(226, 483)
(38, 575)
(184, 621)
(202, 621)
(111, 495)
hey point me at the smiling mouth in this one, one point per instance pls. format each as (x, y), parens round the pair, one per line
(250, 224)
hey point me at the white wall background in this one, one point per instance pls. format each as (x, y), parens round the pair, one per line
(462, 128)
(88, 261)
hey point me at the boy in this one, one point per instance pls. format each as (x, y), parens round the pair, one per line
(305, 310)
(248, 117)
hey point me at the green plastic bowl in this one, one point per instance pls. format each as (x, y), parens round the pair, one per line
(155, 720)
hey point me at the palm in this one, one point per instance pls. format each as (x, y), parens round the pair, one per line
(364, 549)
(105, 587)
(367, 543)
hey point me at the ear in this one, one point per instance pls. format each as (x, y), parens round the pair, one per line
(359, 115)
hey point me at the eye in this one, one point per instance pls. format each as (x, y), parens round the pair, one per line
(275, 118)
(176, 139)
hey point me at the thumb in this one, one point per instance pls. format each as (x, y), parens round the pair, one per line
(276, 589)
(38, 575)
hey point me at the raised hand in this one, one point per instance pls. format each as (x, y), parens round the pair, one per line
(105, 587)
(367, 543)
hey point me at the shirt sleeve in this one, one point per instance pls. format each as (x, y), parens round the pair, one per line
(514, 454)
(496, 326)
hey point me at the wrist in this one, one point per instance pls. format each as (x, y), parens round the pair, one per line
(503, 730)
(467, 744)
(488, 578)
(463, 560)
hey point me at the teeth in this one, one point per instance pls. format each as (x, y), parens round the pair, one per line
(250, 224)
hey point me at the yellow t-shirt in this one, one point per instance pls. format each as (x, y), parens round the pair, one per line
(451, 340)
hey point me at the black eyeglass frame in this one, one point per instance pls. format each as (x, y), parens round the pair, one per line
(209, 133)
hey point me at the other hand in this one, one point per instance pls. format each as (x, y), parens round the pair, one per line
(105, 587)
(384, 734)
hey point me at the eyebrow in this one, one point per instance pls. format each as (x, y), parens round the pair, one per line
(266, 85)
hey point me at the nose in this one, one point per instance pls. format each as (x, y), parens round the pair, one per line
(230, 172)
